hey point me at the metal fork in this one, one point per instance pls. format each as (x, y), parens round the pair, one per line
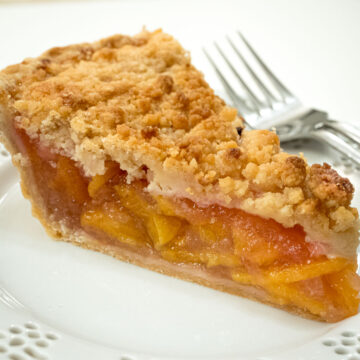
(281, 108)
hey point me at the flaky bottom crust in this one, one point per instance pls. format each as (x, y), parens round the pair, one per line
(188, 272)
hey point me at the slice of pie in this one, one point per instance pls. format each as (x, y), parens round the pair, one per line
(123, 148)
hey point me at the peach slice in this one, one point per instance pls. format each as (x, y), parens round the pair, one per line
(115, 222)
(300, 272)
(162, 229)
(208, 258)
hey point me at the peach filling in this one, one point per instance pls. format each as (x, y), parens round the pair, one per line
(229, 243)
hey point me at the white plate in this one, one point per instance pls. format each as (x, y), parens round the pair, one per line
(100, 308)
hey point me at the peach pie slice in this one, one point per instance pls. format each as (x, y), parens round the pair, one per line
(123, 148)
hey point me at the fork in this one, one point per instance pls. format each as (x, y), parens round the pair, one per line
(281, 109)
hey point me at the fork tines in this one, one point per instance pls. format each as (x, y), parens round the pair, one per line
(257, 97)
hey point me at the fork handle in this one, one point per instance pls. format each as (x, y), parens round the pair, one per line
(346, 129)
(337, 143)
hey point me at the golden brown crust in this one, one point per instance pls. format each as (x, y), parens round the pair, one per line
(139, 101)
(327, 185)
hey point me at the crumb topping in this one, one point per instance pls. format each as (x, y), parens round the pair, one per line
(139, 101)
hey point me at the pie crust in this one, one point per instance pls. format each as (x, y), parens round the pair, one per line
(139, 104)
